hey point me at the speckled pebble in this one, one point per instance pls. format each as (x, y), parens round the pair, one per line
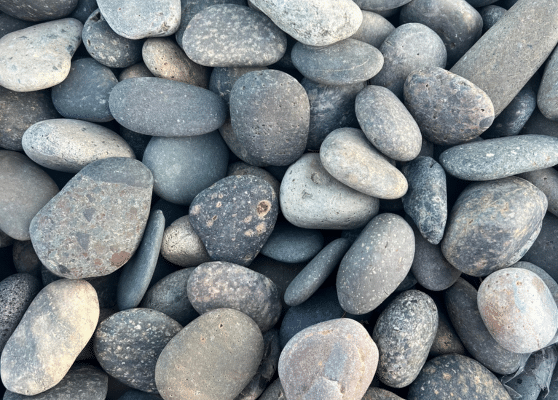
(289, 243)
(222, 80)
(182, 246)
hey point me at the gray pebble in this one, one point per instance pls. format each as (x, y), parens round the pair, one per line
(240, 168)
(289, 243)
(25, 258)
(547, 97)
(375, 393)
(222, 80)
(135, 71)
(83, 10)
(550, 283)
(374, 29)
(273, 391)
(544, 249)
(446, 340)
(139, 395)
(29, 10)
(539, 124)
(182, 246)
(6, 241)
(490, 15)
(547, 181)
(527, 384)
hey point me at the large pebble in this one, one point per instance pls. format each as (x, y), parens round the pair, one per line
(29, 10)
(55, 328)
(289, 243)
(40, 56)
(213, 357)
(68, 145)
(376, 263)
(547, 97)
(311, 198)
(374, 29)
(105, 209)
(182, 246)
(547, 279)
(335, 359)
(518, 310)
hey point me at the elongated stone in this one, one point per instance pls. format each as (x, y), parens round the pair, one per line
(29, 10)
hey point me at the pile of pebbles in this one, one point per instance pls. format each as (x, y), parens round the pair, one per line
(278, 199)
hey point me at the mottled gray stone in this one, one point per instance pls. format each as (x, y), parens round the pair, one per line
(404, 333)
(446, 341)
(19, 112)
(182, 167)
(547, 96)
(68, 145)
(550, 283)
(334, 359)
(270, 117)
(374, 29)
(508, 55)
(313, 22)
(182, 246)
(54, 329)
(543, 251)
(25, 259)
(463, 311)
(239, 288)
(501, 157)
(448, 108)
(457, 374)
(490, 15)
(343, 63)
(380, 5)
(216, 356)
(547, 181)
(107, 47)
(24, 189)
(384, 250)
(289, 243)
(240, 168)
(273, 392)
(137, 19)
(106, 206)
(183, 110)
(9, 24)
(409, 47)
(29, 10)
(387, 124)
(311, 198)
(135, 71)
(222, 80)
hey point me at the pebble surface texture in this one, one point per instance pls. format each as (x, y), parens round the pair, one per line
(128, 344)
(219, 284)
(234, 217)
(448, 108)
(68, 145)
(461, 376)
(182, 246)
(289, 243)
(547, 97)
(493, 224)
(335, 359)
(106, 206)
(518, 310)
(213, 358)
(313, 22)
(29, 10)
(241, 168)
(501, 157)
(508, 55)
(53, 331)
(376, 264)
(181, 109)
(238, 36)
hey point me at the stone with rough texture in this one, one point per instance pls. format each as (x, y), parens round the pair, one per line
(547, 96)
(53, 331)
(30, 10)
(289, 243)
(446, 340)
(547, 181)
(182, 246)
(106, 206)
(374, 29)
(68, 145)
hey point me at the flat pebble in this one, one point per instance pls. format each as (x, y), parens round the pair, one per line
(29, 10)
(547, 96)
(182, 246)
(374, 29)
(289, 243)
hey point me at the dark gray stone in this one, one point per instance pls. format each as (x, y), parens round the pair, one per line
(545, 247)
(274, 391)
(404, 333)
(547, 279)
(83, 10)
(222, 80)
(182, 246)
(501, 157)
(239, 288)
(107, 47)
(380, 5)
(6, 241)
(289, 243)
(376, 263)
(138, 395)
(270, 117)
(106, 206)
(29, 10)
(461, 303)
(547, 181)
(25, 258)
(426, 200)
(446, 341)
(343, 63)
(510, 53)
(171, 211)
(9, 24)
(182, 167)
(407, 48)
(538, 124)
(241, 168)
(128, 344)
(374, 393)
(374, 29)
(457, 374)
(136, 141)
(547, 97)
(387, 124)
(490, 15)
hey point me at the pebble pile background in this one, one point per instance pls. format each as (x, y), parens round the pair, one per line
(278, 199)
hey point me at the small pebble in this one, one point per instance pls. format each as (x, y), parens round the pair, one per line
(138, 70)
(490, 15)
(446, 340)
(289, 243)
(182, 246)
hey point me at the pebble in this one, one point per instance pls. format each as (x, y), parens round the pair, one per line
(270, 117)
(448, 108)
(25, 259)
(238, 36)
(350, 158)
(136, 19)
(222, 80)
(387, 124)
(499, 158)
(374, 29)
(547, 181)
(374, 393)
(346, 62)
(314, 22)
(171, 211)
(550, 283)
(538, 124)
(446, 340)
(182, 246)
(68, 145)
(311, 198)
(241, 168)
(182, 167)
(335, 359)
(289, 243)
(490, 15)
(13, 123)
(24, 189)
(106, 46)
(527, 383)
(138, 70)
(128, 344)
(547, 96)
(214, 357)
(518, 310)
(106, 206)
(29, 10)
(542, 252)
(239, 288)
(384, 250)
(409, 47)
(404, 333)
(83, 10)
(457, 374)
(184, 110)
(56, 326)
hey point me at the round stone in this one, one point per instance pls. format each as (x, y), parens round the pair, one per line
(29, 10)
(289, 243)
(182, 246)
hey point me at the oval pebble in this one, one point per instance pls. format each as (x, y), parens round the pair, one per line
(29, 10)
(182, 246)
(289, 243)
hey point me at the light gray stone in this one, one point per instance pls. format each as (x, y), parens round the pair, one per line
(182, 246)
